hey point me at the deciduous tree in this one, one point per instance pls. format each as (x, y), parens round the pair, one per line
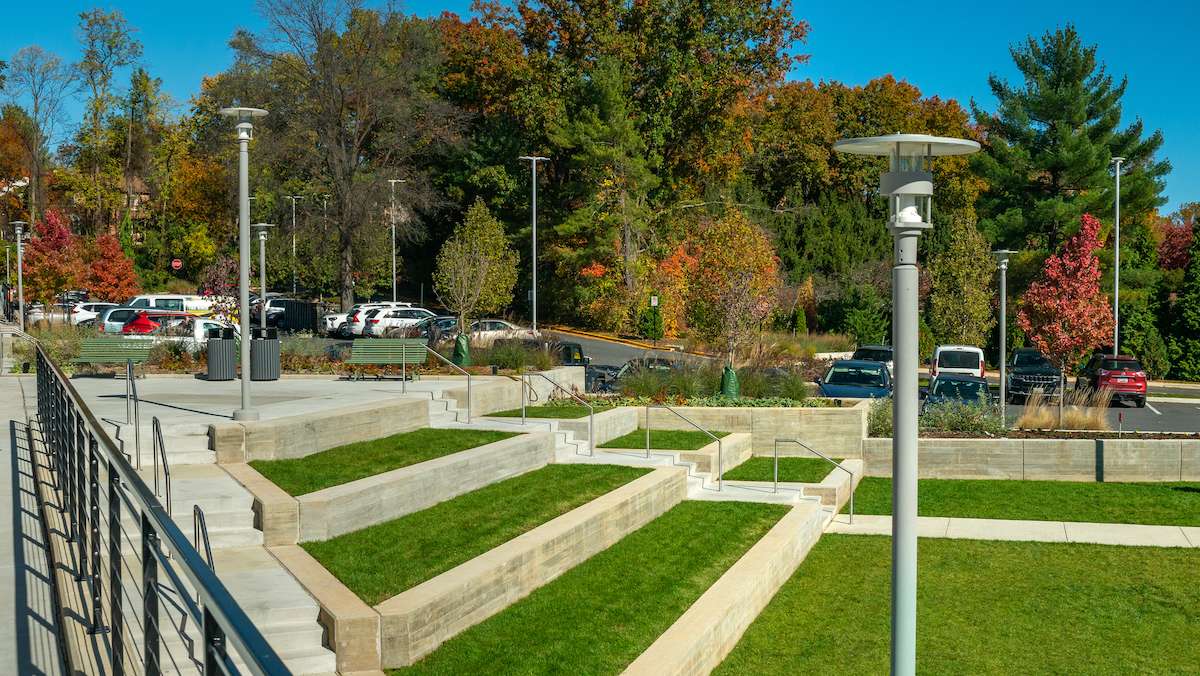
(108, 272)
(52, 260)
(42, 82)
(476, 269)
(960, 301)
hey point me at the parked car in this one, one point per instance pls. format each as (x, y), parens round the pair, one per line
(608, 378)
(433, 329)
(484, 332)
(189, 303)
(964, 359)
(955, 388)
(356, 321)
(147, 322)
(113, 319)
(1028, 370)
(856, 379)
(334, 324)
(1122, 374)
(395, 318)
(83, 312)
(880, 353)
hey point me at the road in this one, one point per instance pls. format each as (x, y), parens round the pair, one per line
(609, 353)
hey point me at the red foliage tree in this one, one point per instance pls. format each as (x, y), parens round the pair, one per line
(52, 259)
(1063, 311)
(1173, 249)
(109, 275)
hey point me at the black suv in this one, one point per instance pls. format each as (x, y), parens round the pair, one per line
(1029, 370)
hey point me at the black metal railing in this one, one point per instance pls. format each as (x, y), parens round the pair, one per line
(159, 602)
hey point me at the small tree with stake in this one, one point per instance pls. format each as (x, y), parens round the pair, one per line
(1063, 311)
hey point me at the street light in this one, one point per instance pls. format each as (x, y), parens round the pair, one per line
(393, 182)
(908, 186)
(533, 162)
(262, 272)
(293, 198)
(20, 230)
(245, 132)
(1117, 256)
(1002, 256)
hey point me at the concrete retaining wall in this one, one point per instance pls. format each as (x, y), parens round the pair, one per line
(837, 432)
(301, 435)
(610, 424)
(1046, 459)
(712, 626)
(497, 393)
(340, 509)
(415, 622)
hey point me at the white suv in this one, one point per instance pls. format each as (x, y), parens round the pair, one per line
(357, 320)
(387, 318)
(964, 359)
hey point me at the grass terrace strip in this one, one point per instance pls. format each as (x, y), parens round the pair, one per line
(336, 466)
(1163, 504)
(562, 412)
(797, 470)
(599, 616)
(985, 608)
(381, 561)
(671, 440)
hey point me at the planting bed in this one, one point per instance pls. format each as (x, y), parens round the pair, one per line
(344, 464)
(673, 440)
(985, 608)
(598, 617)
(798, 470)
(1164, 504)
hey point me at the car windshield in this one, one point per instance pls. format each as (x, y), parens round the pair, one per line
(873, 354)
(1120, 365)
(870, 376)
(960, 390)
(958, 359)
(1030, 359)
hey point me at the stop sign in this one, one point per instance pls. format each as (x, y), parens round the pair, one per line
(176, 264)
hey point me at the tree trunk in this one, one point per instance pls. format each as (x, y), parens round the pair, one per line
(346, 267)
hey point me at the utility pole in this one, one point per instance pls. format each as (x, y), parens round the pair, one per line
(393, 182)
(533, 162)
(1117, 258)
(293, 198)
(1001, 256)
(262, 272)
(20, 230)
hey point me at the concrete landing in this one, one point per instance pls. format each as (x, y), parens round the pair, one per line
(1132, 535)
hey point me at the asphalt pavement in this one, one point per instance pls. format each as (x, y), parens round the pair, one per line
(1158, 416)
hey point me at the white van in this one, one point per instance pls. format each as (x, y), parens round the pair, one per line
(192, 304)
(964, 359)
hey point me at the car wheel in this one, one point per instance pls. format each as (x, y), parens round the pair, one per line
(343, 331)
(1141, 402)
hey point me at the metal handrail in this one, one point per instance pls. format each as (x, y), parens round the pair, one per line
(160, 448)
(460, 369)
(720, 446)
(835, 463)
(200, 534)
(78, 449)
(131, 388)
(591, 410)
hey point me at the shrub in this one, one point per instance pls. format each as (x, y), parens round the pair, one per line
(963, 418)
(879, 418)
(514, 355)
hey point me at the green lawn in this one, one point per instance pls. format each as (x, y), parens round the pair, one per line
(561, 411)
(1167, 504)
(984, 608)
(674, 440)
(343, 464)
(599, 616)
(381, 561)
(800, 470)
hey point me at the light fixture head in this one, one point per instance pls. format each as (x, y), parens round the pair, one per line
(242, 113)
(907, 145)
(1002, 255)
(534, 158)
(263, 226)
(1118, 159)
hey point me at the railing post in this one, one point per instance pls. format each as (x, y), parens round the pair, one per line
(68, 479)
(214, 646)
(149, 599)
(524, 384)
(81, 506)
(97, 583)
(591, 431)
(720, 466)
(128, 393)
(647, 432)
(775, 489)
(116, 612)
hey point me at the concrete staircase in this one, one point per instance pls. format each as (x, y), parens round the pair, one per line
(186, 444)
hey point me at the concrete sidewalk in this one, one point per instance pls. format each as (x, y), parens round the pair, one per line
(1132, 535)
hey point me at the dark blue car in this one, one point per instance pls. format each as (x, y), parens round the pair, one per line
(856, 379)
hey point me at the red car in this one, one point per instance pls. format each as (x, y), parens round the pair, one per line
(149, 322)
(1122, 375)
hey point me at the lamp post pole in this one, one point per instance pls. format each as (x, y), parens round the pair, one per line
(245, 131)
(393, 182)
(20, 230)
(908, 186)
(1117, 257)
(262, 272)
(1001, 256)
(293, 198)
(533, 162)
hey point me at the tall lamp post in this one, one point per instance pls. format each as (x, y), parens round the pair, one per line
(1002, 256)
(908, 186)
(393, 182)
(245, 132)
(1117, 256)
(533, 164)
(262, 272)
(20, 231)
(293, 198)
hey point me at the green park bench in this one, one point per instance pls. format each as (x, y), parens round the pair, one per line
(400, 352)
(113, 351)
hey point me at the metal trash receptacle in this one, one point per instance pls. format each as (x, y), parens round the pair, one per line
(264, 354)
(222, 354)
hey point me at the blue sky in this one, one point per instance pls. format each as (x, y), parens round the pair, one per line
(948, 50)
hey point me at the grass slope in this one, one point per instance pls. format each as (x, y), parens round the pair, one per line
(674, 440)
(599, 616)
(800, 470)
(381, 561)
(984, 608)
(1167, 504)
(343, 464)
(560, 411)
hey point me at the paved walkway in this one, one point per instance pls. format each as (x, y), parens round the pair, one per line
(1027, 531)
(28, 619)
